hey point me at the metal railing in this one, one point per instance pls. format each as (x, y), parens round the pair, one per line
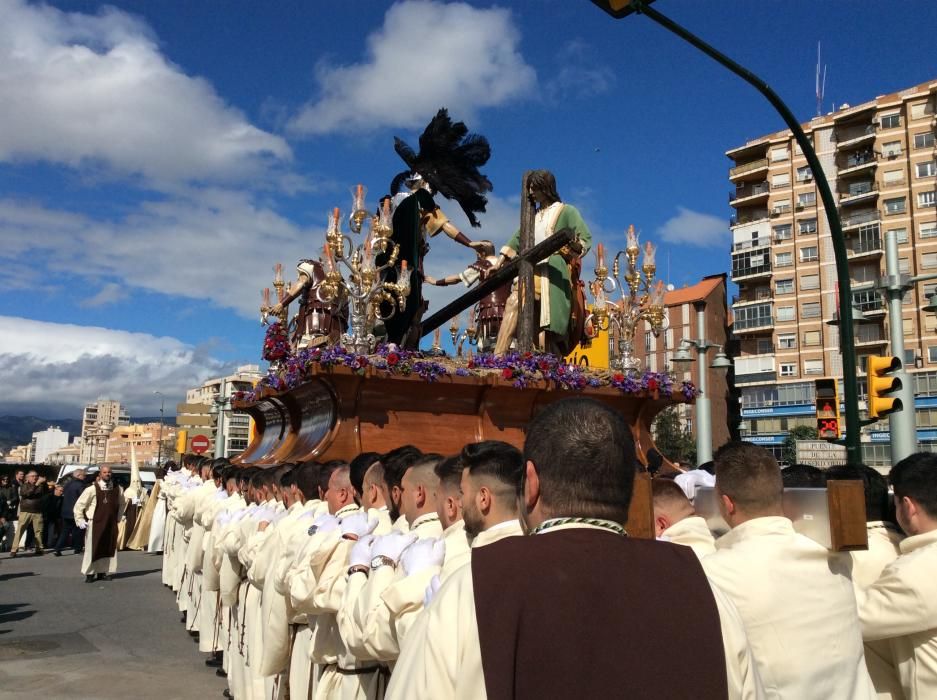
(749, 191)
(748, 167)
(858, 193)
(852, 133)
(763, 295)
(860, 218)
(864, 158)
(761, 242)
(741, 219)
(865, 246)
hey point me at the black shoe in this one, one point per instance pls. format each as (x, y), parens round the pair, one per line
(227, 694)
(184, 615)
(39, 552)
(220, 673)
(213, 662)
(56, 553)
(89, 578)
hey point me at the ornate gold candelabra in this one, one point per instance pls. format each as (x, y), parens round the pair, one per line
(363, 284)
(279, 285)
(642, 299)
(459, 337)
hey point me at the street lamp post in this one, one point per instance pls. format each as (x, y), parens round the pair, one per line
(704, 428)
(159, 448)
(622, 8)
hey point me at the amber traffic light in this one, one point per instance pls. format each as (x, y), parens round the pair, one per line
(882, 383)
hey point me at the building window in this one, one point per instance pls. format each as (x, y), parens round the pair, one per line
(813, 366)
(893, 177)
(932, 353)
(779, 154)
(809, 254)
(781, 180)
(804, 174)
(928, 230)
(922, 109)
(783, 233)
(784, 259)
(647, 343)
(926, 199)
(808, 282)
(901, 234)
(925, 140)
(811, 310)
(907, 326)
(811, 338)
(786, 313)
(765, 347)
(895, 205)
(807, 226)
(784, 286)
(788, 369)
(929, 260)
(755, 316)
(892, 149)
(926, 169)
(891, 121)
(806, 199)
(787, 341)
(904, 265)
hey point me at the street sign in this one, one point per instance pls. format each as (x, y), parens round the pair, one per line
(200, 444)
(820, 453)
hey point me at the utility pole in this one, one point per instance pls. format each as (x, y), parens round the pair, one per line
(159, 448)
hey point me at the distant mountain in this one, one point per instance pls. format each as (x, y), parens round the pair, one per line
(18, 430)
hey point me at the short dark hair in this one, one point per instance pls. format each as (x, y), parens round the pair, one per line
(449, 472)
(190, 459)
(878, 505)
(585, 459)
(218, 466)
(325, 472)
(666, 491)
(495, 459)
(803, 476)
(397, 461)
(229, 472)
(359, 467)
(749, 475)
(307, 479)
(915, 477)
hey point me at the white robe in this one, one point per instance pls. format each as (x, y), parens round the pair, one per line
(441, 657)
(901, 606)
(155, 542)
(84, 515)
(799, 610)
(691, 532)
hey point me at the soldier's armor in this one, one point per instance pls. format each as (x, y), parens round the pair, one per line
(316, 321)
(490, 310)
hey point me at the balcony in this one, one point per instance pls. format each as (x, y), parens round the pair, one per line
(860, 219)
(743, 218)
(746, 272)
(869, 247)
(749, 194)
(762, 242)
(781, 210)
(855, 196)
(747, 171)
(755, 324)
(761, 295)
(858, 163)
(869, 302)
(853, 136)
(755, 368)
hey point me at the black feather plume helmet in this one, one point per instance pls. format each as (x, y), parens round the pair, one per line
(449, 161)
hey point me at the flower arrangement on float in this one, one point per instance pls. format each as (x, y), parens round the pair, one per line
(521, 369)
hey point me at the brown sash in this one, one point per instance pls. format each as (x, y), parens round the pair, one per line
(104, 522)
(586, 613)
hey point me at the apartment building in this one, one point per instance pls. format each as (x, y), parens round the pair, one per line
(656, 352)
(207, 411)
(97, 421)
(46, 442)
(880, 160)
(152, 443)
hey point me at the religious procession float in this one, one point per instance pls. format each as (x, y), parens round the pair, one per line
(346, 373)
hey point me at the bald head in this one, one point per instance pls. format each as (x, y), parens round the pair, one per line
(670, 505)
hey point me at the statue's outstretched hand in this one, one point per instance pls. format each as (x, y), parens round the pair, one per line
(430, 280)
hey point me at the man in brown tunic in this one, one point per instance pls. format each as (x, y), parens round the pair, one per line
(97, 511)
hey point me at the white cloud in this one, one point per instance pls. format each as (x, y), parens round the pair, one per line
(580, 75)
(696, 229)
(82, 90)
(426, 56)
(110, 293)
(52, 369)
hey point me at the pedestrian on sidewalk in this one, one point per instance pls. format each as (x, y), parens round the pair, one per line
(30, 512)
(52, 516)
(73, 490)
(9, 503)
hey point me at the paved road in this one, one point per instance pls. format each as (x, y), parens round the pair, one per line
(63, 638)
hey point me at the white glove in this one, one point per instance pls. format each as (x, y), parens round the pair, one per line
(361, 552)
(392, 544)
(324, 523)
(431, 589)
(357, 525)
(423, 554)
(82, 526)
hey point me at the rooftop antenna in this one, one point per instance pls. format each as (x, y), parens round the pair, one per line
(820, 83)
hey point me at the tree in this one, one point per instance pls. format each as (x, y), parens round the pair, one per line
(789, 446)
(671, 439)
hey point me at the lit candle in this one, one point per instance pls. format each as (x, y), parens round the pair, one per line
(266, 295)
(278, 273)
(632, 239)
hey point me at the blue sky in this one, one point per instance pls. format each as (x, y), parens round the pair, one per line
(156, 159)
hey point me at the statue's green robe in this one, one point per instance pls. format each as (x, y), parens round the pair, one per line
(557, 270)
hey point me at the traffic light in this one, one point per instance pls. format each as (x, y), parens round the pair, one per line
(881, 384)
(827, 409)
(182, 437)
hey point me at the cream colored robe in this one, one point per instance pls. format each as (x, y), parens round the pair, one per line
(901, 606)
(84, 515)
(799, 610)
(374, 616)
(691, 532)
(867, 566)
(441, 656)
